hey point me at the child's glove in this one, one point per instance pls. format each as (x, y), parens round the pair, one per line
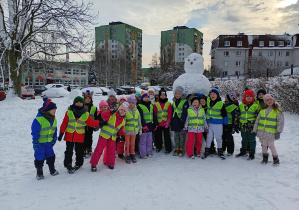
(96, 129)
(102, 123)
(185, 130)
(122, 138)
(277, 135)
(113, 111)
(35, 146)
(145, 128)
(167, 124)
(207, 131)
(60, 136)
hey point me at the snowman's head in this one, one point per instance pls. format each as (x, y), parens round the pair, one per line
(194, 64)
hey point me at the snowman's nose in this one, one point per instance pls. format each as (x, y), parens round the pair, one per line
(191, 63)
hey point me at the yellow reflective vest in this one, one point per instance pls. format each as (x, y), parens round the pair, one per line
(78, 126)
(229, 110)
(194, 120)
(92, 112)
(132, 122)
(47, 131)
(110, 130)
(250, 114)
(269, 122)
(162, 114)
(215, 111)
(178, 109)
(147, 114)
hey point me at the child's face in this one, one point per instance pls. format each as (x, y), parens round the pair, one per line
(146, 99)
(195, 103)
(104, 108)
(79, 104)
(151, 93)
(248, 98)
(203, 102)
(52, 112)
(270, 102)
(111, 97)
(122, 112)
(131, 105)
(177, 95)
(162, 96)
(87, 100)
(213, 96)
(157, 96)
(121, 101)
(261, 95)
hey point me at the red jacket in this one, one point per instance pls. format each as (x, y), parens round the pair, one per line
(76, 137)
(162, 124)
(106, 116)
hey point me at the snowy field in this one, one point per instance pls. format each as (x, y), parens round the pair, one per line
(161, 182)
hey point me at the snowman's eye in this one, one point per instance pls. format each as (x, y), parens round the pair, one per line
(195, 59)
(188, 59)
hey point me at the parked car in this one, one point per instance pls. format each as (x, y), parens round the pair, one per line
(144, 87)
(96, 90)
(105, 91)
(54, 86)
(2, 95)
(55, 93)
(130, 90)
(27, 93)
(38, 89)
(120, 91)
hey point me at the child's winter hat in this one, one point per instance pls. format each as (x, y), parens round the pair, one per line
(268, 96)
(78, 99)
(195, 98)
(179, 89)
(131, 98)
(202, 96)
(162, 91)
(151, 89)
(248, 93)
(103, 103)
(124, 107)
(111, 92)
(260, 91)
(121, 98)
(138, 94)
(88, 94)
(232, 96)
(48, 105)
(215, 91)
(143, 96)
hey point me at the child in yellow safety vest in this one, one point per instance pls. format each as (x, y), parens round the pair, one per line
(73, 125)
(196, 124)
(120, 140)
(133, 127)
(44, 136)
(248, 112)
(163, 111)
(268, 126)
(115, 126)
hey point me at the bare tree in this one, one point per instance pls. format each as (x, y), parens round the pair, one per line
(31, 28)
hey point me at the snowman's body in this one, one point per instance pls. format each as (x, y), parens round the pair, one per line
(193, 81)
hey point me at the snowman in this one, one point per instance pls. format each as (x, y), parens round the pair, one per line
(193, 81)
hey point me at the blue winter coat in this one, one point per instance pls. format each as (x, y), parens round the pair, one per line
(223, 121)
(177, 124)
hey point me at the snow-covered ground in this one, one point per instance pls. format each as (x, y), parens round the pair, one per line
(161, 182)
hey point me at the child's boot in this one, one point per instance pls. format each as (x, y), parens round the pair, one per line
(251, 155)
(181, 152)
(50, 162)
(265, 159)
(275, 161)
(93, 168)
(220, 153)
(128, 159)
(242, 153)
(206, 154)
(70, 168)
(39, 173)
(176, 152)
(133, 158)
(121, 156)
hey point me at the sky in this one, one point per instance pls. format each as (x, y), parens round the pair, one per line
(211, 17)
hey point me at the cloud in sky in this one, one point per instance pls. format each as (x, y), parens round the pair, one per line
(213, 17)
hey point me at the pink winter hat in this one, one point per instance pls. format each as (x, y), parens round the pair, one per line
(121, 98)
(268, 96)
(131, 98)
(103, 103)
(124, 107)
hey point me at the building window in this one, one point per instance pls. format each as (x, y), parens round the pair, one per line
(225, 63)
(271, 43)
(279, 53)
(238, 63)
(238, 53)
(224, 73)
(270, 53)
(68, 71)
(287, 53)
(280, 43)
(36, 70)
(226, 53)
(83, 72)
(226, 43)
(279, 63)
(237, 72)
(261, 44)
(83, 82)
(39, 82)
(76, 71)
(288, 43)
(76, 82)
(260, 53)
(287, 63)
(239, 43)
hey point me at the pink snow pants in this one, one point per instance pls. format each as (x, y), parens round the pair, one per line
(191, 143)
(110, 147)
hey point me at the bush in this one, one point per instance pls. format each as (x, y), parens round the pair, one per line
(285, 89)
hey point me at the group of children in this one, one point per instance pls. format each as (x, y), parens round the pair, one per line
(137, 122)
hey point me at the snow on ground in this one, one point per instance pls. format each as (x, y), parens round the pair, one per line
(161, 182)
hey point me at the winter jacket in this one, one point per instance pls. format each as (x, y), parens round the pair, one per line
(263, 134)
(112, 105)
(106, 116)
(177, 124)
(247, 126)
(76, 137)
(233, 113)
(198, 129)
(35, 128)
(88, 106)
(212, 120)
(150, 126)
(132, 111)
(260, 103)
(162, 124)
